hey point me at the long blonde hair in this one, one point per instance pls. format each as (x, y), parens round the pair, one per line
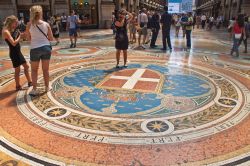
(35, 13)
(9, 21)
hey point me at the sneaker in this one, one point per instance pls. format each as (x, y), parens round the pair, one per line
(71, 45)
(125, 66)
(117, 67)
(33, 92)
(74, 45)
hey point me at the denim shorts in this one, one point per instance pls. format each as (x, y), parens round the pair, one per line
(40, 53)
(72, 32)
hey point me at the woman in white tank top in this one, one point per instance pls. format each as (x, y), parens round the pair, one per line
(40, 35)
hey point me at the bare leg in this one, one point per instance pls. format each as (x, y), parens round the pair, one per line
(17, 79)
(75, 39)
(125, 56)
(45, 67)
(34, 73)
(26, 72)
(117, 57)
(139, 39)
(144, 39)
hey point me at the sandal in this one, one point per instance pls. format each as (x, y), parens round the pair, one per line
(29, 84)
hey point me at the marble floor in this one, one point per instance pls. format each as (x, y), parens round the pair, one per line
(166, 108)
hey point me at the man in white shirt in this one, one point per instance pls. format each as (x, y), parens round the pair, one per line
(142, 21)
(203, 21)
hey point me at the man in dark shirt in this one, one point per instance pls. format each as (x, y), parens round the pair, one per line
(155, 26)
(166, 20)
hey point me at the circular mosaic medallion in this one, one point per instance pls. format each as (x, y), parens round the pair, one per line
(141, 104)
(76, 52)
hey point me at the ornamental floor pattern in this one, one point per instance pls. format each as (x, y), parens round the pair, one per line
(165, 108)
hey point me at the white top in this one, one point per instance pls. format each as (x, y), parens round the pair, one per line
(64, 18)
(142, 18)
(37, 38)
(203, 17)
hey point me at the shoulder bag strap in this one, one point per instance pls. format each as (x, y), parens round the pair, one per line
(42, 32)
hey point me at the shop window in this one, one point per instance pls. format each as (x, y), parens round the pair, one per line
(87, 11)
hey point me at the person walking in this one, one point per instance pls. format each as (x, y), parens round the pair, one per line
(155, 28)
(121, 39)
(12, 37)
(203, 21)
(184, 20)
(132, 28)
(177, 26)
(55, 30)
(247, 32)
(40, 35)
(189, 25)
(72, 27)
(238, 31)
(166, 20)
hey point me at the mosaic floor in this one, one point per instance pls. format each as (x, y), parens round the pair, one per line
(165, 108)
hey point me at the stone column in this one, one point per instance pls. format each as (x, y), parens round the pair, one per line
(106, 8)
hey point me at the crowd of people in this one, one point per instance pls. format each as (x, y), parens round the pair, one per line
(146, 23)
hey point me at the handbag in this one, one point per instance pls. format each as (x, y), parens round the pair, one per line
(44, 35)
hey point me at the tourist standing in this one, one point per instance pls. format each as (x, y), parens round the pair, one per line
(12, 37)
(238, 31)
(155, 28)
(64, 21)
(142, 21)
(121, 39)
(166, 20)
(40, 35)
(72, 27)
(55, 30)
(247, 32)
(198, 21)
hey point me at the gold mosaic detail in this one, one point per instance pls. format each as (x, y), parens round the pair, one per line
(227, 89)
(201, 118)
(102, 124)
(42, 102)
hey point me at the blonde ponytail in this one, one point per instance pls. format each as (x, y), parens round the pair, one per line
(35, 13)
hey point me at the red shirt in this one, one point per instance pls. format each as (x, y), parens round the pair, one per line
(237, 29)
